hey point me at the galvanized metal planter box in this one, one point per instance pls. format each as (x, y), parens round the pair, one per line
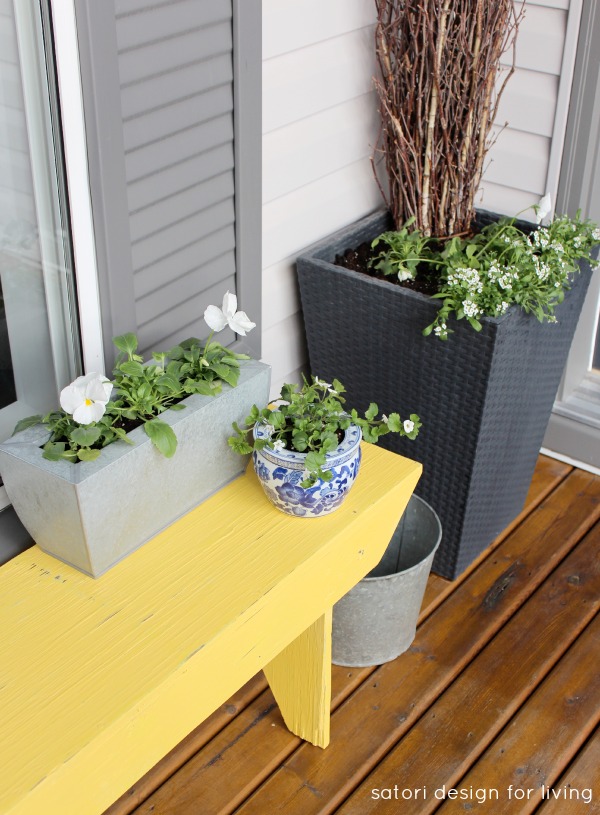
(484, 398)
(93, 514)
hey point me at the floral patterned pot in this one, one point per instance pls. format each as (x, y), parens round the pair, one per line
(281, 471)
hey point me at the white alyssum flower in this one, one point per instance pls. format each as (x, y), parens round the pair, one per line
(470, 308)
(408, 426)
(544, 207)
(85, 398)
(217, 318)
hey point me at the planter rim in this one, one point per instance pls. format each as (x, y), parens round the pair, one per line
(296, 461)
(419, 564)
(27, 444)
(313, 252)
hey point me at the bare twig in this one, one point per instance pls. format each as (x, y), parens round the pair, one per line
(438, 95)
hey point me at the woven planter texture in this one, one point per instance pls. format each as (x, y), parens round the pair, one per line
(484, 398)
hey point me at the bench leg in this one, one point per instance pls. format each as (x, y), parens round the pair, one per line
(300, 678)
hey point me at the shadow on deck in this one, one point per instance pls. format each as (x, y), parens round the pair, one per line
(494, 708)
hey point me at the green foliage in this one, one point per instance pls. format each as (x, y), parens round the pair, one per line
(141, 393)
(312, 419)
(484, 274)
(406, 250)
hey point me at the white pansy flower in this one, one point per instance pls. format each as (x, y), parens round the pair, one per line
(269, 429)
(544, 208)
(278, 444)
(408, 426)
(217, 318)
(85, 398)
(384, 419)
(321, 384)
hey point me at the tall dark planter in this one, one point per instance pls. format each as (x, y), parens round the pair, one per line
(484, 398)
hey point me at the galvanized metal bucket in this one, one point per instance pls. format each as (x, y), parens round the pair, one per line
(377, 620)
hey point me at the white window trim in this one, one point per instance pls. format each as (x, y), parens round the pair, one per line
(77, 172)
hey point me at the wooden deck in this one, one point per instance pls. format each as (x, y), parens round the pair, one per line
(499, 695)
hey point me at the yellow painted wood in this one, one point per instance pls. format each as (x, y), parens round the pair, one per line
(300, 678)
(99, 679)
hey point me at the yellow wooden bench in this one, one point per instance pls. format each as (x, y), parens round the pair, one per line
(99, 679)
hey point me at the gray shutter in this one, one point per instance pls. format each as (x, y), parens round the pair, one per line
(173, 142)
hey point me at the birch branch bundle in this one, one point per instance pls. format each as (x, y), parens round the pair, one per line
(439, 88)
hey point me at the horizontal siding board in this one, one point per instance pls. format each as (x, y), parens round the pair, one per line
(185, 203)
(529, 103)
(291, 26)
(146, 128)
(159, 57)
(540, 42)
(163, 90)
(311, 148)
(312, 212)
(180, 176)
(208, 274)
(284, 355)
(280, 287)
(178, 147)
(519, 160)
(183, 261)
(506, 200)
(152, 23)
(316, 78)
(159, 245)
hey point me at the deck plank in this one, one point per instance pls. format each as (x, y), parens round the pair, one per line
(454, 732)
(250, 764)
(533, 751)
(583, 775)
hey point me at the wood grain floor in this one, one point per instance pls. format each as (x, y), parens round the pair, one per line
(494, 709)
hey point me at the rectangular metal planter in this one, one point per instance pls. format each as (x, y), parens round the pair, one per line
(93, 514)
(484, 398)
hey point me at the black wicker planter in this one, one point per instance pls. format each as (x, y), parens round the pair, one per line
(484, 398)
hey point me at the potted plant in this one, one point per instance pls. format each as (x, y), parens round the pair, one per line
(123, 459)
(467, 317)
(306, 446)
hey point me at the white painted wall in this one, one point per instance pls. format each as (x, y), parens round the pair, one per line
(320, 123)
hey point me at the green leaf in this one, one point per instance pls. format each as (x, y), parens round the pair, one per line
(86, 454)
(162, 436)
(394, 422)
(23, 424)
(86, 436)
(300, 440)
(239, 445)
(53, 451)
(372, 412)
(131, 368)
(126, 343)
(202, 387)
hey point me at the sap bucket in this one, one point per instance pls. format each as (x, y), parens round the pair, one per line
(377, 620)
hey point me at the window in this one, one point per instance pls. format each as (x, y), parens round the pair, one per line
(39, 334)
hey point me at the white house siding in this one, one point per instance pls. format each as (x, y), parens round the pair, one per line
(320, 123)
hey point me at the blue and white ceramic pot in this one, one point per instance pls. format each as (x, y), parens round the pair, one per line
(281, 471)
